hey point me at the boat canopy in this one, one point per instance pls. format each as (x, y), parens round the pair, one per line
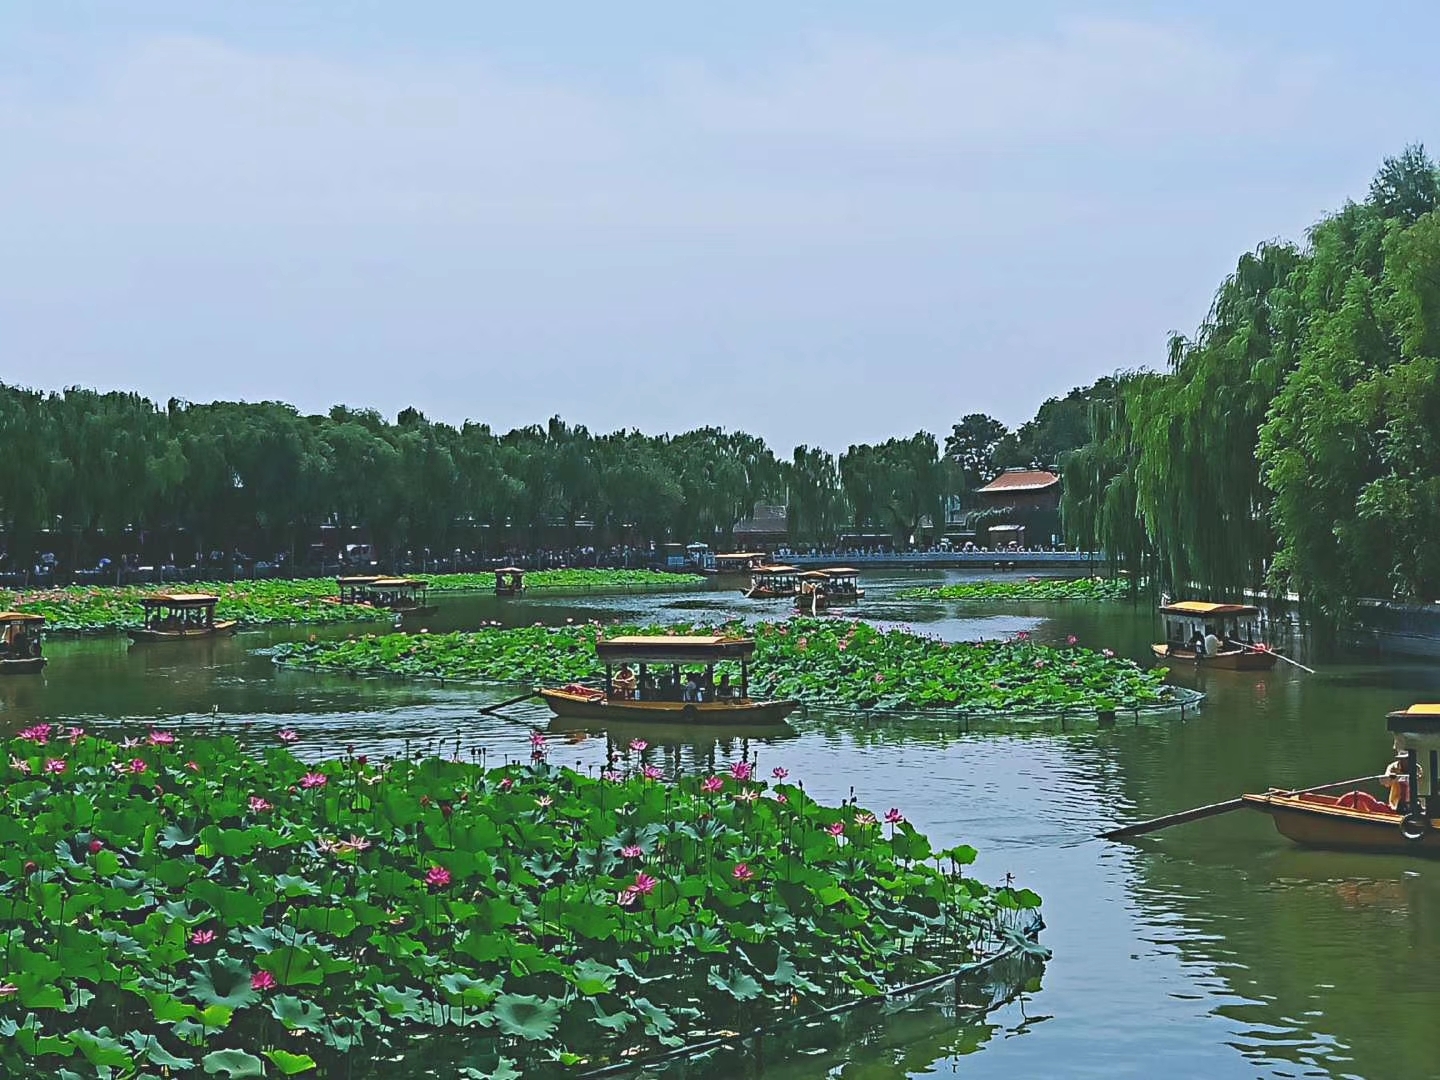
(509, 570)
(821, 574)
(674, 649)
(397, 583)
(840, 571)
(363, 580)
(777, 569)
(19, 616)
(1199, 609)
(179, 600)
(738, 556)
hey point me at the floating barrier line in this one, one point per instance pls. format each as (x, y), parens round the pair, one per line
(1023, 942)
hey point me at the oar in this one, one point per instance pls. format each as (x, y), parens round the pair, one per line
(1282, 656)
(506, 704)
(1140, 828)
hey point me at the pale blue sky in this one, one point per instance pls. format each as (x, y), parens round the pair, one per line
(821, 222)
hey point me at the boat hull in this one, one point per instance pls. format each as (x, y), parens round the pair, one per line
(1235, 660)
(1317, 821)
(220, 629)
(30, 665)
(574, 706)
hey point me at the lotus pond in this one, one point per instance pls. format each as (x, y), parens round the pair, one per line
(1034, 588)
(828, 661)
(182, 903)
(86, 609)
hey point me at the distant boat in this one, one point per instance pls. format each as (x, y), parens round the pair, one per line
(180, 617)
(1190, 621)
(20, 644)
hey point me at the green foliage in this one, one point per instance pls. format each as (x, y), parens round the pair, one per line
(1029, 589)
(1295, 442)
(516, 921)
(824, 661)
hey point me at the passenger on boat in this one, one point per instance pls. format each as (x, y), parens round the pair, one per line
(724, 691)
(1197, 643)
(1397, 783)
(625, 683)
(1212, 643)
(692, 688)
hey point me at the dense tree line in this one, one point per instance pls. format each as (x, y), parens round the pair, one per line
(1294, 442)
(101, 469)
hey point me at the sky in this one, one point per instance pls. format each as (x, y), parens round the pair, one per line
(820, 222)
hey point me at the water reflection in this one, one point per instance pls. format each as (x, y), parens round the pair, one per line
(1215, 950)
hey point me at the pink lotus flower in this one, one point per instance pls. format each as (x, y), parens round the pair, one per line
(8, 990)
(259, 805)
(631, 851)
(96, 846)
(866, 818)
(1023, 635)
(638, 745)
(742, 770)
(893, 816)
(651, 772)
(20, 765)
(76, 734)
(289, 735)
(1039, 664)
(836, 828)
(880, 678)
(537, 741)
(627, 897)
(437, 877)
(506, 784)
(138, 766)
(644, 883)
(263, 980)
(782, 798)
(39, 734)
(161, 738)
(313, 780)
(202, 937)
(193, 766)
(742, 872)
(1071, 640)
(129, 744)
(55, 766)
(779, 773)
(712, 784)
(749, 795)
(612, 776)
(1107, 653)
(544, 802)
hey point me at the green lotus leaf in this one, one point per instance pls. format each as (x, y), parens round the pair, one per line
(290, 1064)
(223, 981)
(592, 977)
(525, 1016)
(232, 1063)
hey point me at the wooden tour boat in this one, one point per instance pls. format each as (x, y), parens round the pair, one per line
(403, 596)
(736, 563)
(629, 696)
(352, 589)
(509, 581)
(20, 646)
(773, 582)
(822, 589)
(1356, 820)
(180, 617)
(1190, 622)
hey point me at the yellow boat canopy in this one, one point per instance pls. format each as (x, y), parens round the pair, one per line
(20, 616)
(674, 649)
(1200, 609)
(179, 600)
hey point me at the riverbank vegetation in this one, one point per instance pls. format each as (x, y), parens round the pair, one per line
(1029, 589)
(177, 906)
(1294, 441)
(821, 661)
(85, 609)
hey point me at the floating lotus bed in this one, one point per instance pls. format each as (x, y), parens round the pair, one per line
(194, 906)
(819, 661)
(1029, 589)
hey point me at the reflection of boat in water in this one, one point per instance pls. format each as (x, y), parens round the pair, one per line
(20, 647)
(696, 701)
(180, 617)
(773, 582)
(1189, 622)
(1356, 820)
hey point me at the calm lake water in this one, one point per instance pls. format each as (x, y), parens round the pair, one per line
(1212, 950)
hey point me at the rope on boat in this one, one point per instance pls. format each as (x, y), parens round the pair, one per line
(1022, 942)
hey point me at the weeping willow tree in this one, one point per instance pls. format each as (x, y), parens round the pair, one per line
(1294, 442)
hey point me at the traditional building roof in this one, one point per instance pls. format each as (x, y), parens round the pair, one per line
(1012, 480)
(766, 520)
